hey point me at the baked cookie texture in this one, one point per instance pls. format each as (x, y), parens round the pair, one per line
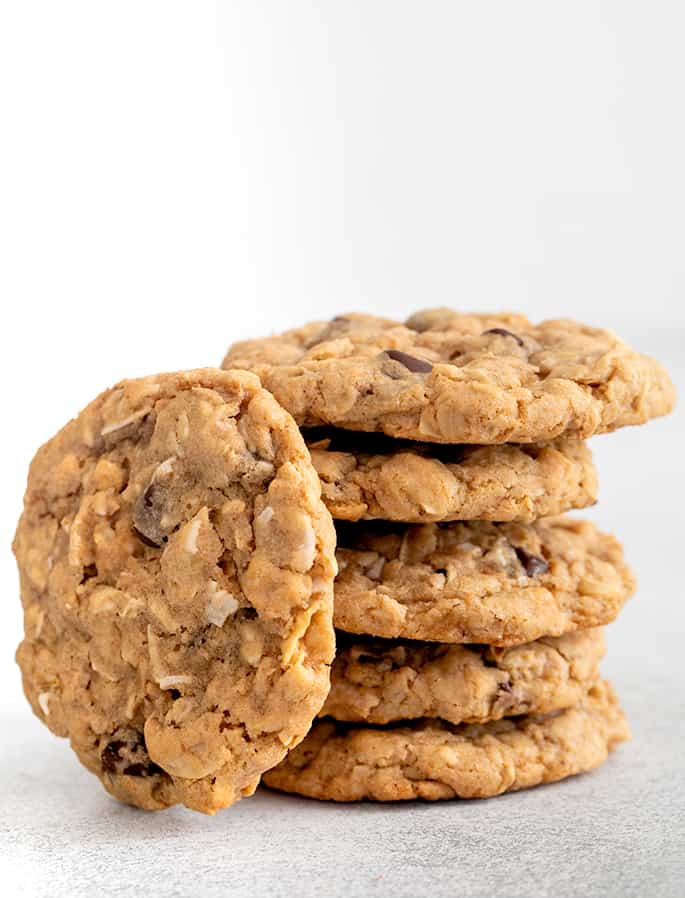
(449, 377)
(176, 567)
(478, 582)
(371, 476)
(383, 681)
(434, 760)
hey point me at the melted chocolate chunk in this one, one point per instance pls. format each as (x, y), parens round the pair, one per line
(532, 564)
(110, 757)
(89, 571)
(147, 515)
(127, 754)
(416, 366)
(505, 333)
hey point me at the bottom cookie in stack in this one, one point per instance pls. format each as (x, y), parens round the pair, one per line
(433, 759)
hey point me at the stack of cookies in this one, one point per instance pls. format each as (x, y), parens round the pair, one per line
(178, 562)
(469, 610)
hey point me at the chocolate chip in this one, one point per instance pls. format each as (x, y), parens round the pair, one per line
(110, 757)
(417, 366)
(532, 564)
(337, 327)
(89, 571)
(140, 769)
(147, 515)
(126, 753)
(505, 333)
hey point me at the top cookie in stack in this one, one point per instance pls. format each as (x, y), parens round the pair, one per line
(465, 433)
(445, 377)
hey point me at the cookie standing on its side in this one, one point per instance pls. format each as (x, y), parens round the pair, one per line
(433, 760)
(446, 377)
(177, 567)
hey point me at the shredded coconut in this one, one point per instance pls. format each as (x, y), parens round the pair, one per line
(220, 606)
(306, 552)
(265, 515)
(190, 535)
(376, 569)
(171, 681)
(117, 425)
(164, 468)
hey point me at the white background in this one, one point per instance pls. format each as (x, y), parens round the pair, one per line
(174, 176)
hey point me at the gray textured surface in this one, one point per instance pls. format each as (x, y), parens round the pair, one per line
(617, 831)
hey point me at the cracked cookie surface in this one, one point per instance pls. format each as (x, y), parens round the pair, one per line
(476, 581)
(383, 681)
(447, 377)
(176, 567)
(434, 760)
(371, 476)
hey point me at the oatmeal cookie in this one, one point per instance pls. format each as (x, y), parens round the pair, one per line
(176, 567)
(449, 377)
(433, 760)
(383, 681)
(371, 476)
(476, 581)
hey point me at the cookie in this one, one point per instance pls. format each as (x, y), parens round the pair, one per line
(367, 476)
(383, 681)
(476, 581)
(176, 567)
(434, 760)
(447, 377)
